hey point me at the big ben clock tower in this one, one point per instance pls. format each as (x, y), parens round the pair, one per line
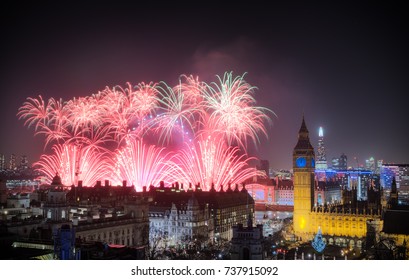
(303, 168)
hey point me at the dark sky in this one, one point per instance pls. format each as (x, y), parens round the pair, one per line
(343, 64)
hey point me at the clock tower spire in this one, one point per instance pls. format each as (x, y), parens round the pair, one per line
(303, 168)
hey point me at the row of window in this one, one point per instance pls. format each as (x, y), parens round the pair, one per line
(109, 235)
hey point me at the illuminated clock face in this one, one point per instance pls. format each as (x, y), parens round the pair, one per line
(312, 162)
(301, 162)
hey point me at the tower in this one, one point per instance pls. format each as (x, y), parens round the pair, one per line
(321, 157)
(303, 167)
(56, 208)
(393, 198)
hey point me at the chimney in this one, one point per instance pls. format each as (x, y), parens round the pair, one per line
(124, 183)
(80, 183)
(106, 183)
(98, 184)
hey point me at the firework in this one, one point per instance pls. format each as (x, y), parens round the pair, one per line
(141, 165)
(232, 110)
(178, 112)
(35, 111)
(214, 122)
(210, 161)
(74, 163)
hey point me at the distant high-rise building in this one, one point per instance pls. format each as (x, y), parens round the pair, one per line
(2, 162)
(335, 163)
(321, 156)
(12, 162)
(370, 164)
(23, 162)
(359, 179)
(343, 162)
(340, 163)
(379, 164)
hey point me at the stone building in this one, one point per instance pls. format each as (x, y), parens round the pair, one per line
(225, 208)
(247, 242)
(130, 228)
(185, 223)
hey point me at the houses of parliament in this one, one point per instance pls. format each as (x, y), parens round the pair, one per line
(349, 218)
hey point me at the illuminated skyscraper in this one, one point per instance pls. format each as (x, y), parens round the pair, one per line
(339, 163)
(379, 164)
(321, 156)
(12, 162)
(398, 171)
(343, 162)
(370, 164)
(335, 163)
(23, 162)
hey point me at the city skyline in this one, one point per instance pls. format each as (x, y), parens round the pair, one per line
(341, 66)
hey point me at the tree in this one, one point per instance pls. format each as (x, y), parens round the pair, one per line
(158, 241)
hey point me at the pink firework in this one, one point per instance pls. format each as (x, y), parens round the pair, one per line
(232, 110)
(215, 120)
(211, 161)
(126, 110)
(192, 88)
(177, 113)
(74, 163)
(141, 165)
(35, 111)
(143, 100)
(49, 119)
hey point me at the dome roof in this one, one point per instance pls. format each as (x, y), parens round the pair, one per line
(56, 180)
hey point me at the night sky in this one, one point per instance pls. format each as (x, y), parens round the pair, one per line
(344, 66)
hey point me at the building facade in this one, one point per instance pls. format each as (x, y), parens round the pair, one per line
(226, 208)
(247, 242)
(184, 223)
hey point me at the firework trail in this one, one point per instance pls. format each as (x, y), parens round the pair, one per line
(74, 163)
(211, 161)
(127, 110)
(177, 112)
(35, 111)
(141, 165)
